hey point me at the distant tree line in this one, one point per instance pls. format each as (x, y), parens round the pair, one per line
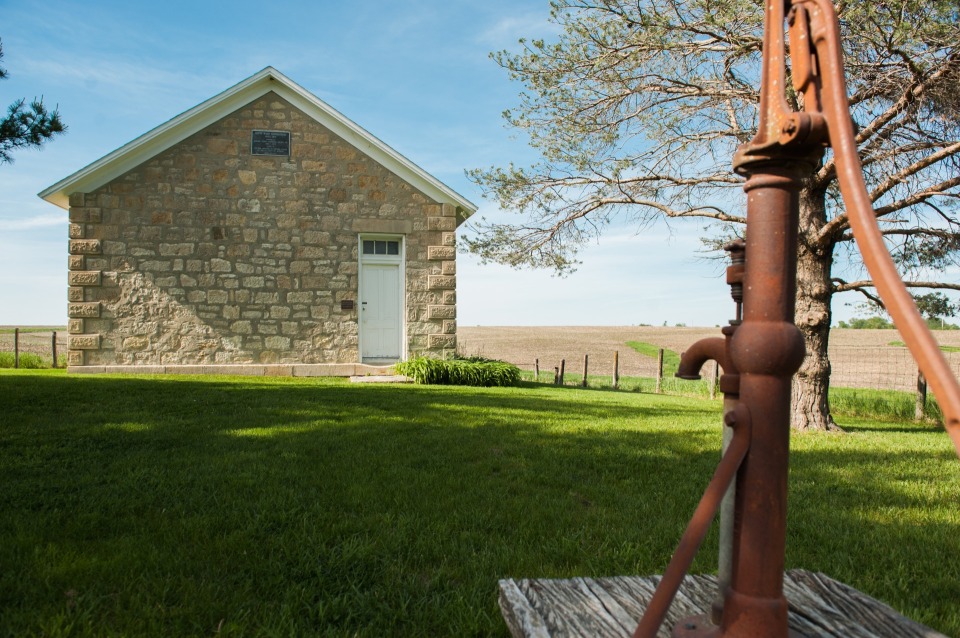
(934, 307)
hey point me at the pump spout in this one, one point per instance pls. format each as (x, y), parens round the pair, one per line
(692, 360)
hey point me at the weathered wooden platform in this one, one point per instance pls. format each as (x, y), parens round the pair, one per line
(819, 606)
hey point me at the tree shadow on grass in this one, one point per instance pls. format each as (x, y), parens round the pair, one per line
(167, 505)
(176, 506)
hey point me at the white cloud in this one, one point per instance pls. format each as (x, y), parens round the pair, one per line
(507, 31)
(44, 220)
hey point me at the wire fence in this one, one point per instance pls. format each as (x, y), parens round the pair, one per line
(887, 367)
(33, 348)
(877, 368)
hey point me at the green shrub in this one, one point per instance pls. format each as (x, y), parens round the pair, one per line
(476, 371)
(28, 360)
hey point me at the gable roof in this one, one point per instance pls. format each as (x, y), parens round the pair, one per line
(166, 135)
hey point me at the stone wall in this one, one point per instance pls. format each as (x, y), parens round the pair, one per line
(207, 254)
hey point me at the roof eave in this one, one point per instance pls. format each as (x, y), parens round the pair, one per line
(179, 128)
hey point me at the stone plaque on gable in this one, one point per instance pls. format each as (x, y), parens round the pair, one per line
(270, 143)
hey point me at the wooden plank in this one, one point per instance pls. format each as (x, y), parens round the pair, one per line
(841, 610)
(521, 618)
(608, 607)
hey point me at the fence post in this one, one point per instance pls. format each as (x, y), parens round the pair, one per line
(659, 371)
(563, 364)
(616, 369)
(714, 376)
(556, 375)
(16, 347)
(53, 346)
(536, 370)
(584, 382)
(920, 412)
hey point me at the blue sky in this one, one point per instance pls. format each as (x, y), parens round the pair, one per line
(415, 74)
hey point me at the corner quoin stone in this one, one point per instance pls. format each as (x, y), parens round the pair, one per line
(448, 224)
(84, 310)
(438, 342)
(441, 312)
(441, 253)
(85, 247)
(85, 278)
(85, 342)
(441, 282)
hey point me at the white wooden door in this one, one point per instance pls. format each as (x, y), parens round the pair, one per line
(380, 311)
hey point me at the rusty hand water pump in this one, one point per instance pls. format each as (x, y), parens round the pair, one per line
(762, 348)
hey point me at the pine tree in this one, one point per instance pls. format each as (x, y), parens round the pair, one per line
(26, 125)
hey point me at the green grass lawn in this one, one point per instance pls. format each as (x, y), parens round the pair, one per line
(671, 360)
(901, 344)
(189, 506)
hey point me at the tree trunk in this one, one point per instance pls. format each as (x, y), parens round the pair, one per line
(811, 385)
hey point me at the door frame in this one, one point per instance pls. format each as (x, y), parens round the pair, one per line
(400, 261)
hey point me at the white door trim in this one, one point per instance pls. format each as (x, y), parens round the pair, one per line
(400, 261)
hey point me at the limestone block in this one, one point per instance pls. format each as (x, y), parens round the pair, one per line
(450, 327)
(441, 282)
(176, 250)
(385, 226)
(438, 342)
(448, 267)
(277, 343)
(441, 223)
(75, 358)
(266, 297)
(136, 343)
(74, 293)
(94, 263)
(77, 199)
(325, 370)
(278, 370)
(85, 247)
(241, 327)
(448, 210)
(448, 239)
(76, 262)
(220, 146)
(441, 312)
(449, 297)
(81, 310)
(84, 277)
(76, 231)
(441, 253)
(86, 215)
(248, 205)
(122, 264)
(279, 312)
(220, 265)
(75, 326)
(85, 342)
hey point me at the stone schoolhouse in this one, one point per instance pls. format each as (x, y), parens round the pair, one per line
(261, 232)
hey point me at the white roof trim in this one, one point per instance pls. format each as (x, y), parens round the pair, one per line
(166, 135)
